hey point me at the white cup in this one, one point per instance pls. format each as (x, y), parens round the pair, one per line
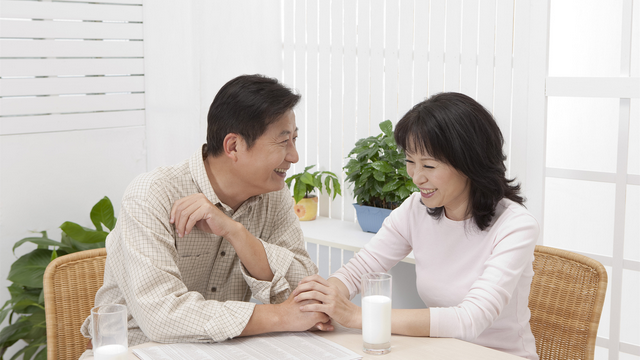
(376, 313)
(109, 325)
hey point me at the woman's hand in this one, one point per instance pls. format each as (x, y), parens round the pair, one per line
(332, 301)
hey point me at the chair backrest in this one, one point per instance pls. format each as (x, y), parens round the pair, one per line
(567, 294)
(70, 286)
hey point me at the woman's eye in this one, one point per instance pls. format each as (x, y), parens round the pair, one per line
(408, 161)
(428, 167)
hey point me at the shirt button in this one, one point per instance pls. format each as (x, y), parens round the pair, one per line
(223, 253)
(213, 289)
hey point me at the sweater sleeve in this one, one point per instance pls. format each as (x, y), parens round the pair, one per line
(512, 253)
(384, 251)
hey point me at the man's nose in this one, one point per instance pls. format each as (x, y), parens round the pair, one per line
(292, 154)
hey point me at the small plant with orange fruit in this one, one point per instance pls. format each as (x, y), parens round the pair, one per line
(304, 183)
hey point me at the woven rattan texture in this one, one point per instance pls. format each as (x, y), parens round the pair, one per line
(567, 294)
(71, 283)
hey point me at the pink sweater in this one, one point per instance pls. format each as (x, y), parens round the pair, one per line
(476, 283)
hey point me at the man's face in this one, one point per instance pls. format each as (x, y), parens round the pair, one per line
(264, 166)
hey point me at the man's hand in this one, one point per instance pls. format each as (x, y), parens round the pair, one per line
(329, 300)
(296, 320)
(197, 210)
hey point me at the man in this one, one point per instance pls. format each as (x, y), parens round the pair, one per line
(194, 241)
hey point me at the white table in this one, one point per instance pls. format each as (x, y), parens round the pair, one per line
(402, 347)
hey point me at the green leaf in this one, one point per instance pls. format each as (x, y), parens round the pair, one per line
(387, 127)
(83, 234)
(37, 241)
(307, 168)
(54, 255)
(383, 166)
(29, 269)
(336, 187)
(102, 212)
(379, 175)
(14, 331)
(4, 313)
(307, 179)
(40, 298)
(299, 190)
(42, 354)
(327, 184)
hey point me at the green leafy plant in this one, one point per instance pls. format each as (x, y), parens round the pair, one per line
(304, 183)
(376, 168)
(26, 306)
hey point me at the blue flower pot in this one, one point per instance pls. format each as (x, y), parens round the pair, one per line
(370, 218)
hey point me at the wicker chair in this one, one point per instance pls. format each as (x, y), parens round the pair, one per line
(70, 286)
(567, 294)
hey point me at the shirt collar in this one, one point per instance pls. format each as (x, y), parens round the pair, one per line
(199, 174)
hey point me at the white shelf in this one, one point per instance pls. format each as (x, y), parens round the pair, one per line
(339, 234)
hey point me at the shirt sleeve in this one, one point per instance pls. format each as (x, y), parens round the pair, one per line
(143, 259)
(287, 256)
(388, 247)
(512, 253)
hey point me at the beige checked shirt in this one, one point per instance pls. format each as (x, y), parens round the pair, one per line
(195, 289)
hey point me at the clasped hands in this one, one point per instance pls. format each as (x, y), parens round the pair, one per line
(327, 297)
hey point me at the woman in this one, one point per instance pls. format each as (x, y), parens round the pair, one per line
(472, 238)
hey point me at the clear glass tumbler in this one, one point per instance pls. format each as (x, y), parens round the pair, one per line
(109, 332)
(376, 313)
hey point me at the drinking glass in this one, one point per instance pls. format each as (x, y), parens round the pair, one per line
(109, 332)
(376, 313)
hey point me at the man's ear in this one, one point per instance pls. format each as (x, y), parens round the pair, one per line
(232, 144)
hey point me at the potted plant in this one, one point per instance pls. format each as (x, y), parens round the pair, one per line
(26, 306)
(304, 183)
(376, 168)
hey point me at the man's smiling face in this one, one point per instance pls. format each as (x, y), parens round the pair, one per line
(265, 164)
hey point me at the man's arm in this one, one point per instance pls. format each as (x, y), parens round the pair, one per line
(196, 210)
(275, 264)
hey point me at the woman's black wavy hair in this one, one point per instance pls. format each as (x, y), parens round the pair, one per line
(455, 129)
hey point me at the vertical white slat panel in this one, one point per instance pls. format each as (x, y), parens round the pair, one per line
(436, 47)
(421, 52)
(324, 98)
(469, 48)
(311, 128)
(377, 65)
(336, 99)
(300, 77)
(288, 24)
(349, 112)
(486, 52)
(405, 58)
(392, 14)
(323, 261)
(520, 98)
(363, 102)
(452, 46)
(503, 68)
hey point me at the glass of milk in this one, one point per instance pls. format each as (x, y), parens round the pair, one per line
(109, 325)
(376, 313)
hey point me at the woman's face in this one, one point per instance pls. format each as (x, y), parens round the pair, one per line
(440, 184)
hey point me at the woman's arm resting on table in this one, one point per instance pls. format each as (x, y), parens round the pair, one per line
(334, 298)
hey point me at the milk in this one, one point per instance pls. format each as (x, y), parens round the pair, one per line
(376, 319)
(110, 352)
